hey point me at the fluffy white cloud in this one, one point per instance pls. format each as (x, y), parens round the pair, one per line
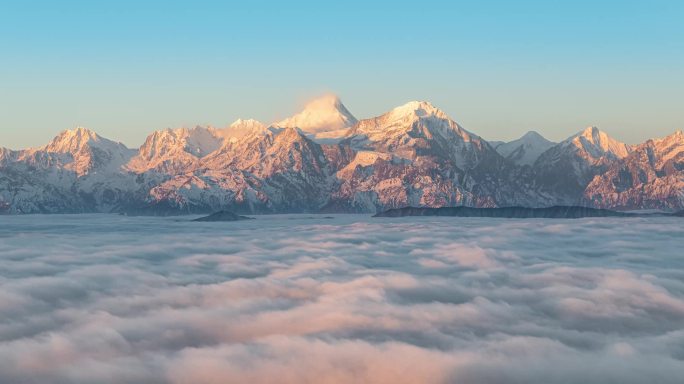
(97, 298)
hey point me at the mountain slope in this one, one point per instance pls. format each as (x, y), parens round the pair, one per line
(78, 171)
(278, 170)
(416, 155)
(413, 155)
(173, 151)
(564, 170)
(240, 128)
(80, 150)
(418, 129)
(651, 177)
(525, 150)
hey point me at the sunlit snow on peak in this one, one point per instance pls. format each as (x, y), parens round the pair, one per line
(323, 114)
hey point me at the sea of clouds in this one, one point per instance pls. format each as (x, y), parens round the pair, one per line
(306, 299)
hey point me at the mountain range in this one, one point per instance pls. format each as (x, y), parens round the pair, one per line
(324, 159)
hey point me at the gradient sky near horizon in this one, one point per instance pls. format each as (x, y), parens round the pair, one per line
(500, 68)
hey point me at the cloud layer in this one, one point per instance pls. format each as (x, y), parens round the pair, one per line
(297, 299)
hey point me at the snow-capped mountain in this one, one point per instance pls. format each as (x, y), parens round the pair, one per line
(78, 171)
(564, 170)
(651, 176)
(418, 129)
(595, 144)
(241, 128)
(416, 155)
(6, 155)
(525, 150)
(323, 159)
(279, 169)
(175, 150)
(80, 150)
(324, 119)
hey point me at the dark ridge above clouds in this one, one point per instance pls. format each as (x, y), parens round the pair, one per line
(223, 216)
(557, 212)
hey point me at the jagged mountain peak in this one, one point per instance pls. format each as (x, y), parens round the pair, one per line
(281, 137)
(241, 128)
(670, 147)
(80, 150)
(420, 130)
(651, 177)
(415, 118)
(323, 114)
(525, 150)
(201, 141)
(598, 144)
(591, 134)
(187, 131)
(246, 123)
(79, 131)
(533, 135)
(413, 154)
(79, 134)
(417, 109)
(6, 154)
(529, 138)
(589, 131)
(198, 141)
(565, 169)
(75, 140)
(290, 132)
(676, 136)
(420, 118)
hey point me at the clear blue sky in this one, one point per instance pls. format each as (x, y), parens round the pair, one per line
(500, 68)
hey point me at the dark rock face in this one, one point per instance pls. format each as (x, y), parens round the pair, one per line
(223, 216)
(556, 212)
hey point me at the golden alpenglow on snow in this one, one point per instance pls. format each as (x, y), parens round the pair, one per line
(442, 192)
